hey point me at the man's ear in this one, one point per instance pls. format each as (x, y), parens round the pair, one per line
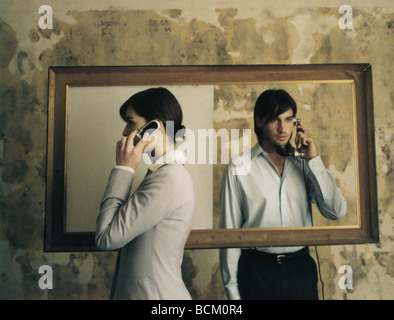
(259, 122)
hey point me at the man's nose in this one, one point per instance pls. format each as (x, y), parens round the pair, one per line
(280, 126)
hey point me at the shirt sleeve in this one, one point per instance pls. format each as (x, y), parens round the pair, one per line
(230, 217)
(121, 218)
(324, 191)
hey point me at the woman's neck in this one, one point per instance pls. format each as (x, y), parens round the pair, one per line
(161, 150)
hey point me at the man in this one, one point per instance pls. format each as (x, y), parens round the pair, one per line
(276, 192)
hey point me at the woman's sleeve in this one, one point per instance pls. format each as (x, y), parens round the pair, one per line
(121, 218)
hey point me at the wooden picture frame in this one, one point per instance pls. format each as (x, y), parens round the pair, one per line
(358, 76)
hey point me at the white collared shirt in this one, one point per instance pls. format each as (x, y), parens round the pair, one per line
(263, 198)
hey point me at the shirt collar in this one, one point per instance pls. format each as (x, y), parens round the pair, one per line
(256, 150)
(169, 158)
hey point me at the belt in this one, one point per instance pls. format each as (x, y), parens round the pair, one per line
(278, 258)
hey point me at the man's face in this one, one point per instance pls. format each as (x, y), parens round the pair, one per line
(278, 131)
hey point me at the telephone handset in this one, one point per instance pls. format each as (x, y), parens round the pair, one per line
(288, 150)
(151, 127)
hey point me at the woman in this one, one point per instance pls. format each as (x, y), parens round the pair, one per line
(152, 226)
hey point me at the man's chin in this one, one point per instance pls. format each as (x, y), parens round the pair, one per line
(281, 143)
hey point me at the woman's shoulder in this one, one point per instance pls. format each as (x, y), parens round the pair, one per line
(175, 170)
(171, 171)
(177, 180)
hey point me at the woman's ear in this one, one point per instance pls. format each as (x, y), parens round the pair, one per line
(161, 123)
(162, 127)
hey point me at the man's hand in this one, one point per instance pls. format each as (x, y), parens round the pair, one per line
(129, 155)
(308, 144)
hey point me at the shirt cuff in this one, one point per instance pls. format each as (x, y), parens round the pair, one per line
(126, 168)
(233, 293)
(316, 164)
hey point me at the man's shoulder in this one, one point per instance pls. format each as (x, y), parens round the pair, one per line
(240, 164)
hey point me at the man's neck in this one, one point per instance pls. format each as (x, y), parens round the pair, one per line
(276, 158)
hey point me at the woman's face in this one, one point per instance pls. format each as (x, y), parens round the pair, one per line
(133, 121)
(136, 122)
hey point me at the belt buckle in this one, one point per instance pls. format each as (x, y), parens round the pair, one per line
(279, 258)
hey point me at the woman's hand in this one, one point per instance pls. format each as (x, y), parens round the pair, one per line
(308, 144)
(129, 155)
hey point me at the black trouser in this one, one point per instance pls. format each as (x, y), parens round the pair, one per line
(265, 276)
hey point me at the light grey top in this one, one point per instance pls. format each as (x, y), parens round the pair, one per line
(151, 228)
(263, 198)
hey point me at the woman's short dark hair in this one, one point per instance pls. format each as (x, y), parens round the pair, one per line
(156, 103)
(270, 104)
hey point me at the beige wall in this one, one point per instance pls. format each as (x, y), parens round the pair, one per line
(173, 33)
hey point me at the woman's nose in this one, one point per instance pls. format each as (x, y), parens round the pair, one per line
(126, 131)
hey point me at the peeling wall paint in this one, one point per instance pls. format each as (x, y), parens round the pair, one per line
(173, 34)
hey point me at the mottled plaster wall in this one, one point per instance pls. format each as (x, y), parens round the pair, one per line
(269, 32)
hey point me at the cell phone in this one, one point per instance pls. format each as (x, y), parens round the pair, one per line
(151, 128)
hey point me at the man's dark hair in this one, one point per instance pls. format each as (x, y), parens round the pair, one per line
(156, 103)
(270, 104)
